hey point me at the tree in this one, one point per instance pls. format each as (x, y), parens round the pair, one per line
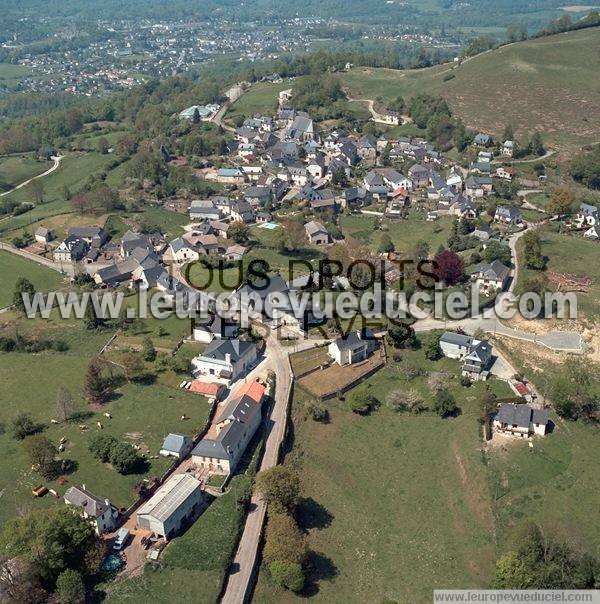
(401, 336)
(100, 446)
(91, 320)
(509, 133)
(103, 145)
(405, 400)
(284, 540)
(585, 168)
(22, 286)
(22, 425)
(288, 575)
(386, 245)
(430, 343)
(51, 540)
(36, 188)
(239, 231)
(42, 454)
(70, 587)
(533, 251)
(133, 365)
(562, 200)
(123, 458)
(445, 405)
(537, 561)
(295, 234)
(196, 116)
(94, 384)
(148, 350)
(496, 251)
(64, 403)
(449, 267)
(537, 145)
(280, 487)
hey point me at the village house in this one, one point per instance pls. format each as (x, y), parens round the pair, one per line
(482, 140)
(235, 425)
(419, 175)
(375, 185)
(505, 173)
(182, 252)
(593, 233)
(491, 277)
(176, 445)
(367, 147)
(508, 148)
(72, 249)
(95, 236)
(176, 503)
(214, 327)
(353, 348)
(43, 235)
(317, 234)
(521, 420)
(101, 514)
(478, 186)
(476, 355)
(226, 360)
(204, 209)
(587, 215)
(508, 216)
(391, 117)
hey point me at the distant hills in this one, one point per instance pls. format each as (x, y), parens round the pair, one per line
(548, 84)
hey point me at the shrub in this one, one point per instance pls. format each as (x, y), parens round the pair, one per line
(288, 575)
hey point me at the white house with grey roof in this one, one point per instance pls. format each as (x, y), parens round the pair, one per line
(521, 420)
(587, 215)
(101, 514)
(476, 355)
(353, 348)
(176, 445)
(225, 360)
(491, 277)
(175, 503)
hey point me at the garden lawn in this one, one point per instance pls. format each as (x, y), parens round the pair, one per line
(12, 267)
(405, 234)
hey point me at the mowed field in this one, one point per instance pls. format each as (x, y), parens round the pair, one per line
(549, 84)
(397, 505)
(12, 267)
(16, 169)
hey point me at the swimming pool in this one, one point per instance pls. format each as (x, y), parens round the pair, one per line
(269, 225)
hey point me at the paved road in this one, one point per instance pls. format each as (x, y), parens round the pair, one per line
(240, 582)
(49, 171)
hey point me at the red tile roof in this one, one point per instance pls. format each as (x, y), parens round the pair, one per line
(205, 388)
(254, 390)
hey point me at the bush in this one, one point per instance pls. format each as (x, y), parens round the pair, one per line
(318, 412)
(280, 487)
(23, 425)
(362, 403)
(445, 405)
(70, 587)
(288, 575)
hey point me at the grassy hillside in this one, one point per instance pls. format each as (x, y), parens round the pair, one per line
(549, 84)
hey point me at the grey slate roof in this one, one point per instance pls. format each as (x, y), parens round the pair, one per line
(81, 497)
(521, 415)
(176, 443)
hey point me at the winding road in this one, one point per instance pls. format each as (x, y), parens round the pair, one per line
(55, 159)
